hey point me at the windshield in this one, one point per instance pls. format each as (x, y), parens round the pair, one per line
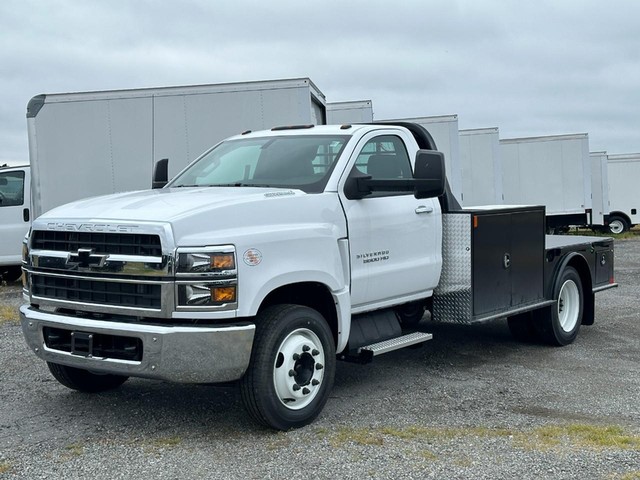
(301, 162)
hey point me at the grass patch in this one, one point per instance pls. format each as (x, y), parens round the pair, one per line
(630, 476)
(71, 451)
(359, 436)
(543, 438)
(376, 436)
(4, 467)
(166, 442)
(9, 314)
(590, 233)
(428, 455)
(577, 435)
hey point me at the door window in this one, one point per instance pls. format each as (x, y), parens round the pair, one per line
(385, 157)
(11, 189)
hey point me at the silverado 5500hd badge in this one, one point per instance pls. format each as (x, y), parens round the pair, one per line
(370, 257)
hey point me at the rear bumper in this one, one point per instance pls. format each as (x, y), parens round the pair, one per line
(173, 353)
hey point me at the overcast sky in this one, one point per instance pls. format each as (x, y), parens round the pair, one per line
(529, 68)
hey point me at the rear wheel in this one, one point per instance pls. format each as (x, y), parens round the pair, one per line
(84, 380)
(292, 367)
(560, 326)
(618, 225)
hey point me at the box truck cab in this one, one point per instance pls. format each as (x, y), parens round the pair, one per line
(277, 253)
(15, 195)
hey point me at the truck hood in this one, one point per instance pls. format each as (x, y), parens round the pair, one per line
(203, 215)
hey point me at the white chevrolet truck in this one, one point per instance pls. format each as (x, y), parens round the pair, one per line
(277, 253)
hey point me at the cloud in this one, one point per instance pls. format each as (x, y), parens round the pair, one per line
(530, 68)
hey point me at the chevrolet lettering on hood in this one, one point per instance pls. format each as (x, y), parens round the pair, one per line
(92, 227)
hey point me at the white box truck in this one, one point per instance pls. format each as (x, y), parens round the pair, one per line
(599, 191)
(358, 111)
(15, 216)
(93, 143)
(624, 197)
(481, 166)
(444, 130)
(277, 253)
(554, 171)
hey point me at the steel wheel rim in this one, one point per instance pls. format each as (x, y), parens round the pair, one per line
(568, 305)
(298, 369)
(616, 226)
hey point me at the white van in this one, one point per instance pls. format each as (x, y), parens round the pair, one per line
(15, 193)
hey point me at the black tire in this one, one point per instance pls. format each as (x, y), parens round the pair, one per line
(83, 380)
(560, 323)
(11, 274)
(410, 314)
(618, 225)
(285, 385)
(522, 327)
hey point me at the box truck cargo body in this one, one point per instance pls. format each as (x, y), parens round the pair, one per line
(481, 167)
(599, 190)
(554, 171)
(444, 130)
(93, 143)
(624, 196)
(15, 218)
(359, 111)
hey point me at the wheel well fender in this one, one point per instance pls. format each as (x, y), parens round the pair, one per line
(580, 264)
(309, 294)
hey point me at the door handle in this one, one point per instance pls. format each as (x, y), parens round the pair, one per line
(423, 209)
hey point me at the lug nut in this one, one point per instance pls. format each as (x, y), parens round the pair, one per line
(319, 366)
(292, 373)
(315, 382)
(306, 391)
(315, 352)
(306, 348)
(296, 387)
(296, 357)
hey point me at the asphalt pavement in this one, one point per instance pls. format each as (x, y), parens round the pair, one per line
(471, 403)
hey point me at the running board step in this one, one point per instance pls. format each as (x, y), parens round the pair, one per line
(394, 344)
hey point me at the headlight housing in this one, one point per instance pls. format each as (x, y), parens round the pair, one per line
(206, 278)
(25, 262)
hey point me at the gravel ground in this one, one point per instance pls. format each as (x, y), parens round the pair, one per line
(472, 403)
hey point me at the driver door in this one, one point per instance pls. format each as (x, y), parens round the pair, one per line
(394, 238)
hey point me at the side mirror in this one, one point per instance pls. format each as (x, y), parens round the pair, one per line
(356, 187)
(429, 174)
(160, 173)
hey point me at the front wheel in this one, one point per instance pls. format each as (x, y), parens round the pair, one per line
(292, 367)
(84, 380)
(560, 326)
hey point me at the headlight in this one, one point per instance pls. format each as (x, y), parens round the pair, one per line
(206, 278)
(206, 262)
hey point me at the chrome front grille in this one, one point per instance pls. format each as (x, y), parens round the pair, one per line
(122, 273)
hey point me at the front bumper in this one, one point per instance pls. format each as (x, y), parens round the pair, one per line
(173, 353)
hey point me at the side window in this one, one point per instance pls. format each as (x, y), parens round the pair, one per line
(385, 157)
(11, 189)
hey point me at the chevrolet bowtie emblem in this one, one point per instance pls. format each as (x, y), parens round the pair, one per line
(85, 258)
